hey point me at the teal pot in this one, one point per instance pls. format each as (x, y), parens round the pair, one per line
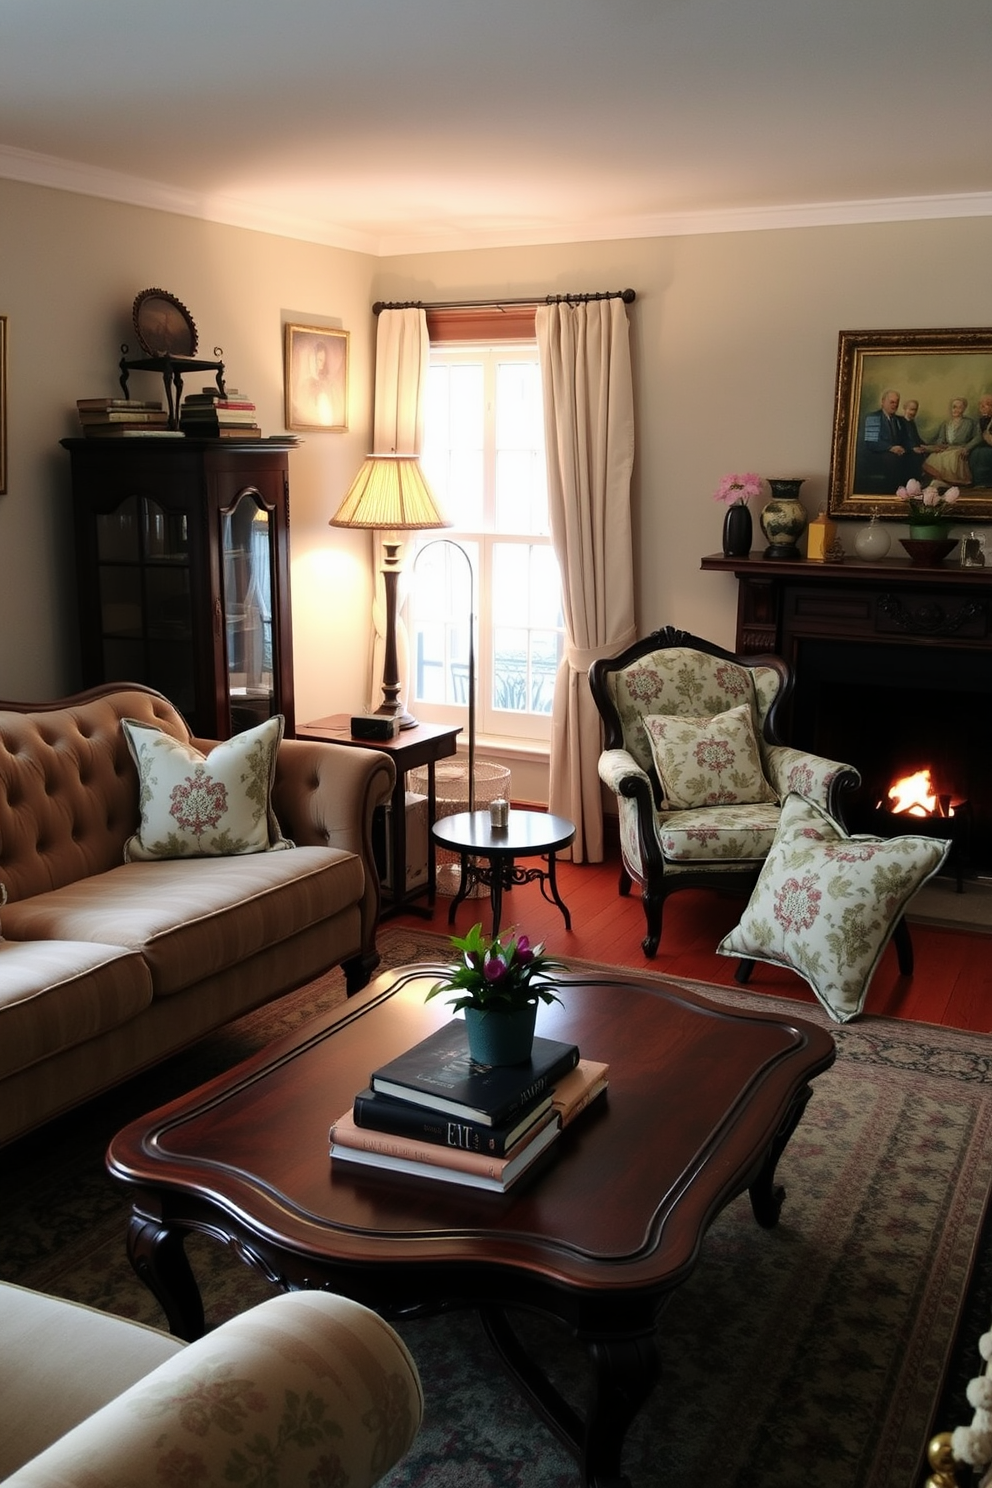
(737, 531)
(784, 520)
(501, 1038)
(930, 531)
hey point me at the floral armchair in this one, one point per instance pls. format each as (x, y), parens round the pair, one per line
(694, 757)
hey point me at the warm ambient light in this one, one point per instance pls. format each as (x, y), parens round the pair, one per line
(914, 795)
(391, 494)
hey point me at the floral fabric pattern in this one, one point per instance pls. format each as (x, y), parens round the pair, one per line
(826, 904)
(708, 761)
(194, 806)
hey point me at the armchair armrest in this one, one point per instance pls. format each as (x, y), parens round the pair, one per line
(620, 771)
(305, 1387)
(820, 780)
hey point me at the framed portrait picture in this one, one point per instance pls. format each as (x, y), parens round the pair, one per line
(3, 404)
(316, 378)
(912, 405)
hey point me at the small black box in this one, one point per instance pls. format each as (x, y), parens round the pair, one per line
(374, 726)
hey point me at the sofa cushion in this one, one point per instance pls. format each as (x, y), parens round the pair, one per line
(193, 917)
(826, 904)
(195, 805)
(55, 994)
(712, 761)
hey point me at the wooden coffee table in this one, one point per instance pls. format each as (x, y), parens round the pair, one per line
(701, 1103)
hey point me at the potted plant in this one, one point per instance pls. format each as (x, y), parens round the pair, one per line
(498, 984)
(930, 510)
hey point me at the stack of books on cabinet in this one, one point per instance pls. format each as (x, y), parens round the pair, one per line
(117, 418)
(433, 1113)
(206, 415)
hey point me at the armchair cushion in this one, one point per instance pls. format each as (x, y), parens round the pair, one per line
(826, 904)
(196, 806)
(708, 761)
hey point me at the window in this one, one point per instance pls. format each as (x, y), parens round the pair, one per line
(484, 459)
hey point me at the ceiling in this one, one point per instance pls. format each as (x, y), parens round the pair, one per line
(394, 126)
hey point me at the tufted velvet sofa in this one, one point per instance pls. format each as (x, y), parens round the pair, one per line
(108, 966)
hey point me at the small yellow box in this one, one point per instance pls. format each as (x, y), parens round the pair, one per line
(820, 535)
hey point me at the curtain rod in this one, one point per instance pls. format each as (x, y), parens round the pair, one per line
(627, 295)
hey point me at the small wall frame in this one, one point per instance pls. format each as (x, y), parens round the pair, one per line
(316, 378)
(880, 439)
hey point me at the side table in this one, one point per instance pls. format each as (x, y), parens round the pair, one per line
(527, 834)
(423, 745)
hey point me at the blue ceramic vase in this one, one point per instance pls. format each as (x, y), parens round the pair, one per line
(500, 1038)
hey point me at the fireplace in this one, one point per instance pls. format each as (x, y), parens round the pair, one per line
(893, 674)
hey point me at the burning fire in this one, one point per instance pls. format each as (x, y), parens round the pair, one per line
(914, 795)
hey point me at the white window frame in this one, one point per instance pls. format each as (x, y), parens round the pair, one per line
(493, 725)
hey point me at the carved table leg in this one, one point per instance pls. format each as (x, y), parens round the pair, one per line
(553, 886)
(766, 1195)
(624, 1372)
(157, 1253)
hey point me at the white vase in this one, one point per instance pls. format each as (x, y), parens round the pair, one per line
(872, 542)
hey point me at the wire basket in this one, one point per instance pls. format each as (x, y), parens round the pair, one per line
(451, 796)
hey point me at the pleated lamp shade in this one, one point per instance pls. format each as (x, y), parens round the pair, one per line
(389, 492)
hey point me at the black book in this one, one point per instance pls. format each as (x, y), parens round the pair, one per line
(399, 1118)
(439, 1073)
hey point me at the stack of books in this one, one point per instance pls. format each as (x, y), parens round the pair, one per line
(115, 418)
(433, 1113)
(206, 415)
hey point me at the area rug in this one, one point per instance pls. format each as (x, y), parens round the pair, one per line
(814, 1353)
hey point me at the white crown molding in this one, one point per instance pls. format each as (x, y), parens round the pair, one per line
(65, 175)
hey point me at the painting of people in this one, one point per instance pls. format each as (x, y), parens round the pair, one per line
(316, 378)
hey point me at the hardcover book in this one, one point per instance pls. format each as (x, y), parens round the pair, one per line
(579, 1089)
(439, 1073)
(383, 1113)
(353, 1144)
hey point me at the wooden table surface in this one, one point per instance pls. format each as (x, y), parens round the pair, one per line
(702, 1100)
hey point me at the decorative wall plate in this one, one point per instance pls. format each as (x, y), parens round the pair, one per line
(163, 325)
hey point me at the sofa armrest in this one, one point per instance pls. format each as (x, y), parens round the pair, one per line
(306, 1387)
(620, 771)
(325, 795)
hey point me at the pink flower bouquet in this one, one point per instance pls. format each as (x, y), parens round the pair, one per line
(734, 489)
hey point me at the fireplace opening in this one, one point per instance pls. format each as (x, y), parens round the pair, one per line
(896, 712)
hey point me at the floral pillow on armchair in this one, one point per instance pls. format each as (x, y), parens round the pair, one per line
(826, 904)
(708, 761)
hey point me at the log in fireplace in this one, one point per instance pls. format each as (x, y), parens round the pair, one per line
(893, 673)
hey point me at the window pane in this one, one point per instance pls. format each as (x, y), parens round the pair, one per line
(442, 604)
(452, 457)
(521, 488)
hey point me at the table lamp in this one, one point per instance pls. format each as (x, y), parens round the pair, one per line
(391, 494)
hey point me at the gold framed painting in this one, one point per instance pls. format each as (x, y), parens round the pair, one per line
(912, 405)
(3, 404)
(316, 378)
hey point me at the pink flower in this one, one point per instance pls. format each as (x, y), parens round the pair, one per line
(734, 488)
(495, 969)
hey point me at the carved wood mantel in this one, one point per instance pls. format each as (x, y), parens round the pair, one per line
(780, 603)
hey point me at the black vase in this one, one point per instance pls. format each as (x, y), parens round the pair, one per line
(737, 531)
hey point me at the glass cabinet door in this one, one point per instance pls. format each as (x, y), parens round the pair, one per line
(247, 552)
(145, 603)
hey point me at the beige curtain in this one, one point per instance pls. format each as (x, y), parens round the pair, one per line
(589, 433)
(402, 358)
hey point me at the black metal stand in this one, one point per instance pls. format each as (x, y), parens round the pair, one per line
(171, 369)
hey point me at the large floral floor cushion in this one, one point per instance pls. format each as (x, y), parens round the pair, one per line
(826, 903)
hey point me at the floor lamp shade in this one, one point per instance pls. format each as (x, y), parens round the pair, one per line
(390, 494)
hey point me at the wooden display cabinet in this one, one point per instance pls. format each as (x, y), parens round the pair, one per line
(182, 560)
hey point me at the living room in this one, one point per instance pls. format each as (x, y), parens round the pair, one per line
(734, 338)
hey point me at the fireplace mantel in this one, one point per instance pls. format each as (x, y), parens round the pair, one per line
(892, 667)
(780, 602)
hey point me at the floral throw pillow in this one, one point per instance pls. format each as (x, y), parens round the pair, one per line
(826, 904)
(204, 806)
(707, 761)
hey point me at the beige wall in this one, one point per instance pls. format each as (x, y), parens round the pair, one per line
(734, 341)
(70, 267)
